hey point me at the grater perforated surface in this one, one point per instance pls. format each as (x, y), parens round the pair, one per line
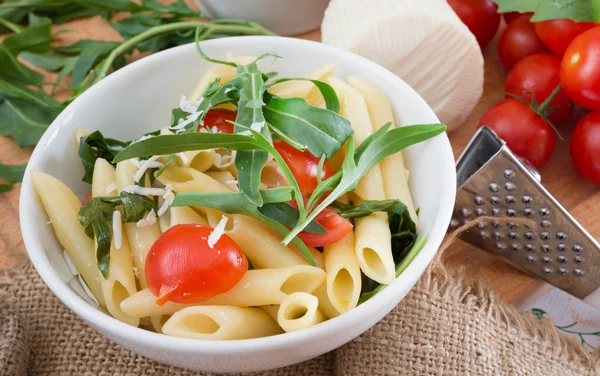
(493, 182)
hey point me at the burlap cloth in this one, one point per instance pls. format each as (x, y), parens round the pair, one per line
(445, 326)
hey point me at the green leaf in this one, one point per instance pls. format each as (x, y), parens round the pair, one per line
(14, 71)
(26, 122)
(576, 10)
(332, 102)
(322, 131)
(94, 146)
(179, 8)
(112, 5)
(170, 159)
(288, 215)
(35, 38)
(48, 62)
(13, 91)
(176, 143)
(14, 16)
(10, 174)
(89, 55)
(231, 202)
(368, 207)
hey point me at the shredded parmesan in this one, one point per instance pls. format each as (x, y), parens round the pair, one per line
(145, 165)
(70, 263)
(231, 182)
(214, 129)
(136, 271)
(217, 232)
(184, 158)
(135, 162)
(87, 290)
(148, 220)
(189, 106)
(111, 187)
(258, 126)
(245, 133)
(145, 137)
(181, 124)
(117, 225)
(203, 130)
(169, 197)
(137, 190)
(115, 147)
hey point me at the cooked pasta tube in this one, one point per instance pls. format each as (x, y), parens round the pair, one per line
(325, 305)
(120, 283)
(374, 253)
(259, 243)
(200, 160)
(180, 215)
(158, 322)
(62, 207)
(343, 282)
(220, 323)
(223, 72)
(224, 177)
(299, 311)
(79, 133)
(303, 89)
(393, 171)
(271, 310)
(257, 287)
(185, 179)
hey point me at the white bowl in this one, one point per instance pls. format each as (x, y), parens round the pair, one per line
(139, 98)
(285, 17)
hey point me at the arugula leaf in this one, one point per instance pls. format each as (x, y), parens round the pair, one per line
(96, 218)
(48, 62)
(367, 207)
(15, 72)
(94, 146)
(24, 121)
(35, 38)
(322, 131)
(332, 103)
(92, 51)
(178, 8)
(10, 90)
(579, 11)
(10, 174)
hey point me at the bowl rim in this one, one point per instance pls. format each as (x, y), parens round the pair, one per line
(117, 329)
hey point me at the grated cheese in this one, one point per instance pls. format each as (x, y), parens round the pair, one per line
(137, 190)
(184, 158)
(145, 137)
(145, 165)
(136, 271)
(246, 133)
(111, 187)
(217, 232)
(203, 130)
(169, 197)
(181, 124)
(189, 106)
(70, 263)
(117, 225)
(135, 162)
(258, 126)
(148, 220)
(231, 182)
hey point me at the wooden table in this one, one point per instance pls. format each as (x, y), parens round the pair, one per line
(559, 176)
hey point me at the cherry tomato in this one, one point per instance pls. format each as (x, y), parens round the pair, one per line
(182, 267)
(539, 75)
(525, 132)
(585, 147)
(303, 166)
(510, 16)
(217, 117)
(480, 16)
(336, 225)
(519, 40)
(580, 70)
(558, 34)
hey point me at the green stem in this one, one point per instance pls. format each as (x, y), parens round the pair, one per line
(209, 28)
(11, 25)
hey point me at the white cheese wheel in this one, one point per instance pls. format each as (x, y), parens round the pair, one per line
(423, 42)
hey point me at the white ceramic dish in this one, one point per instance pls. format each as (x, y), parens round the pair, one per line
(139, 98)
(285, 17)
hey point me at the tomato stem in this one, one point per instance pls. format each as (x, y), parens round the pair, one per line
(541, 110)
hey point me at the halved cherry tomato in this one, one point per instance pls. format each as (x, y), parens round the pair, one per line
(580, 70)
(558, 34)
(182, 267)
(336, 225)
(303, 166)
(217, 117)
(539, 75)
(518, 40)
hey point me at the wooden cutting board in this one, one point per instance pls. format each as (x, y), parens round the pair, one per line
(559, 176)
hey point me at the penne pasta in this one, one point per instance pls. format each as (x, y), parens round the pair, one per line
(225, 178)
(120, 283)
(304, 89)
(223, 72)
(299, 311)
(257, 288)
(325, 305)
(178, 216)
(220, 323)
(393, 172)
(62, 207)
(374, 253)
(185, 179)
(344, 282)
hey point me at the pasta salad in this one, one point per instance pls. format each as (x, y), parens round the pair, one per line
(265, 206)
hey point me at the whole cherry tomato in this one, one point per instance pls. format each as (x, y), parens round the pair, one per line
(580, 70)
(539, 75)
(585, 147)
(558, 34)
(509, 16)
(183, 267)
(217, 117)
(480, 16)
(524, 131)
(518, 40)
(303, 166)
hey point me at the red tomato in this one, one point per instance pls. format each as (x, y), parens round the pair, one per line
(539, 75)
(182, 267)
(336, 225)
(525, 132)
(217, 117)
(585, 147)
(509, 16)
(558, 34)
(303, 166)
(580, 70)
(519, 40)
(480, 16)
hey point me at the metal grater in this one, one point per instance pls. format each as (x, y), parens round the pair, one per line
(492, 181)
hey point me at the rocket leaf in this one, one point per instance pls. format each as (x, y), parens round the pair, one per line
(576, 10)
(10, 174)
